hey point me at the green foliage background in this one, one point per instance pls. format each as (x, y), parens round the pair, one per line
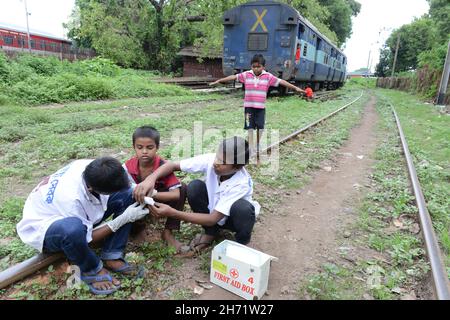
(32, 80)
(423, 43)
(149, 33)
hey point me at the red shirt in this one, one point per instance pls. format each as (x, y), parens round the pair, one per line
(170, 181)
(309, 93)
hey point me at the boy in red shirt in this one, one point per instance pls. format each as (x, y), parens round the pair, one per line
(169, 190)
(257, 83)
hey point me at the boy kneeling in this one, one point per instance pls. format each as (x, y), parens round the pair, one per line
(222, 200)
(61, 212)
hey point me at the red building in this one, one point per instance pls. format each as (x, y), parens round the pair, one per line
(209, 67)
(15, 39)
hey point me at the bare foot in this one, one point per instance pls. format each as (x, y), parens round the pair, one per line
(169, 238)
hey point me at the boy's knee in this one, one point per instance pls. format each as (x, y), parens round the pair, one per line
(195, 189)
(74, 230)
(243, 209)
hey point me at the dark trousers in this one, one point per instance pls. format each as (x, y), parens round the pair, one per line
(240, 221)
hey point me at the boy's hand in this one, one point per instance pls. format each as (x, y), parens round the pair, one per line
(143, 189)
(214, 83)
(162, 210)
(298, 90)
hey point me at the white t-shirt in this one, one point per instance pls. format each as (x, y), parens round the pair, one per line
(223, 195)
(63, 194)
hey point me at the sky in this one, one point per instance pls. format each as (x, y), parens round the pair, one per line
(371, 27)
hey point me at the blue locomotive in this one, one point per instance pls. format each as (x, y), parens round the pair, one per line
(293, 48)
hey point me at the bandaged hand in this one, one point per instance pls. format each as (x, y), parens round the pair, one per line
(134, 212)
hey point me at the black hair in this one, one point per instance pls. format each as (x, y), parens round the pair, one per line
(147, 132)
(106, 175)
(258, 58)
(234, 151)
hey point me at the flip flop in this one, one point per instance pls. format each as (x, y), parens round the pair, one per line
(196, 242)
(90, 280)
(128, 270)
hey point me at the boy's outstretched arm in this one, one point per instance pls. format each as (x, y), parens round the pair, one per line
(146, 187)
(226, 79)
(163, 210)
(291, 86)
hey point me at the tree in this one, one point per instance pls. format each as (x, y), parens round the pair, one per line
(340, 17)
(115, 29)
(383, 68)
(415, 38)
(440, 14)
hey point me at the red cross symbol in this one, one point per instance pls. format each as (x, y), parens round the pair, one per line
(234, 273)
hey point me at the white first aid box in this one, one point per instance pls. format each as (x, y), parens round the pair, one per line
(240, 269)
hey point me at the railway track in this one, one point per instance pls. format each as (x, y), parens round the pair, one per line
(440, 280)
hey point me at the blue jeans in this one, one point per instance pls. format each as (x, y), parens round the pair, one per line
(69, 235)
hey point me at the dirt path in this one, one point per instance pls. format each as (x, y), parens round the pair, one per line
(303, 232)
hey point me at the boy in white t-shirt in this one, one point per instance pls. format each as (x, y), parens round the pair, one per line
(222, 200)
(61, 213)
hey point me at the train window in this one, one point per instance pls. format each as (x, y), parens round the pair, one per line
(43, 45)
(305, 49)
(257, 41)
(8, 40)
(33, 43)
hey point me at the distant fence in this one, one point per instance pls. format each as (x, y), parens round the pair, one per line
(424, 82)
(72, 54)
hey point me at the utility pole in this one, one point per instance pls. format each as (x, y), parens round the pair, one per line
(28, 28)
(395, 57)
(444, 80)
(368, 63)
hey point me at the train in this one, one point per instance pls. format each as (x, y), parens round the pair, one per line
(293, 48)
(14, 39)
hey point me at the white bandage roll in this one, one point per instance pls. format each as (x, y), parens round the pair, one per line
(149, 201)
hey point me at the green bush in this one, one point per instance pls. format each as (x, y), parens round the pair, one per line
(434, 58)
(32, 80)
(4, 69)
(46, 66)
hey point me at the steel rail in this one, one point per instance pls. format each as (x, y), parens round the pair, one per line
(440, 279)
(29, 266)
(296, 133)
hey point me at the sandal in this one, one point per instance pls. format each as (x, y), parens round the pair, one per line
(90, 280)
(196, 243)
(128, 270)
